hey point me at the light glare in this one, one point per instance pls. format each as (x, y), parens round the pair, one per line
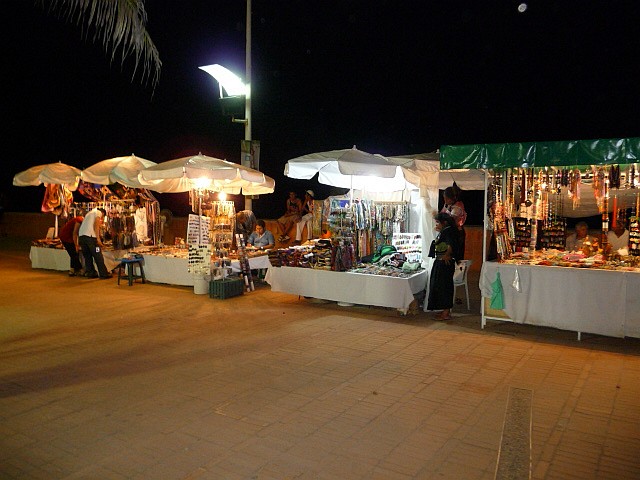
(201, 182)
(231, 83)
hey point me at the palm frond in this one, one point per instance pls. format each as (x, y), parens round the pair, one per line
(120, 25)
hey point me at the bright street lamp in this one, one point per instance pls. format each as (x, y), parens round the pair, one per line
(235, 87)
(235, 95)
(229, 81)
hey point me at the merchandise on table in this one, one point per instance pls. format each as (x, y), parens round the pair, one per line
(322, 255)
(47, 243)
(558, 258)
(527, 214)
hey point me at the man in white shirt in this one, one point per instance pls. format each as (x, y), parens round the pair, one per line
(618, 237)
(91, 244)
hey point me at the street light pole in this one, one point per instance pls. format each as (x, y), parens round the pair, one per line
(236, 88)
(247, 105)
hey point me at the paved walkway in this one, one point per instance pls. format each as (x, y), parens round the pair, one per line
(100, 381)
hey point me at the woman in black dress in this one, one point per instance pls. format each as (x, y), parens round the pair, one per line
(441, 281)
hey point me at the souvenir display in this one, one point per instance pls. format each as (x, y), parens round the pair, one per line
(119, 227)
(221, 215)
(409, 244)
(57, 199)
(244, 263)
(368, 224)
(528, 220)
(634, 229)
(522, 234)
(199, 247)
(552, 234)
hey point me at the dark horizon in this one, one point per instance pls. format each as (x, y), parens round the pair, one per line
(391, 78)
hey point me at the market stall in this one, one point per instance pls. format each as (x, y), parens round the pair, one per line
(530, 191)
(136, 212)
(391, 201)
(131, 209)
(210, 233)
(381, 208)
(126, 226)
(374, 181)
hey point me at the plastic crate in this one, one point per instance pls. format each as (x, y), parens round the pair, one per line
(226, 288)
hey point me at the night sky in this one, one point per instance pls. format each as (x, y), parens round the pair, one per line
(391, 77)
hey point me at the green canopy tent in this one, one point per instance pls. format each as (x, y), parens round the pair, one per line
(562, 154)
(573, 154)
(581, 154)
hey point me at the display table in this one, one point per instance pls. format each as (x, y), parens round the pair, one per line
(603, 302)
(173, 270)
(58, 258)
(157, 268)
(355, 288)
(167, 269)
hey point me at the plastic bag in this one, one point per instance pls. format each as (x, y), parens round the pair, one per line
(516, 282)
(410, 267)
(497, 296)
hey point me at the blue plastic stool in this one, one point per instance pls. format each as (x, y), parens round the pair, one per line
(130, 264)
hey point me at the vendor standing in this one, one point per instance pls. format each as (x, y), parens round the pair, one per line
(245, 223)
(70, 240)
(443, 250)
(91, 244)
(454, 207)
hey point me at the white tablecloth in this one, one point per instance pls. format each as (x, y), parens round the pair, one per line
(58, 259)
(358, 288)
(173, 270)
(157, 268)
(585, 300)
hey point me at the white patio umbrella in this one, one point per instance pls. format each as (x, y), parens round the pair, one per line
(122, 170)
(51, 173)
(201, 171)
(349, 168)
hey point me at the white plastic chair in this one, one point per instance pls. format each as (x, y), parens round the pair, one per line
(460, 279)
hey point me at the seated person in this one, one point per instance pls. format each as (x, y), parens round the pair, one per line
(618, 237)
(261, 238)
(307, 217)
(577, 240)
(291, 216)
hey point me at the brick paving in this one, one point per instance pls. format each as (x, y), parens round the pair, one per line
(100, 381)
